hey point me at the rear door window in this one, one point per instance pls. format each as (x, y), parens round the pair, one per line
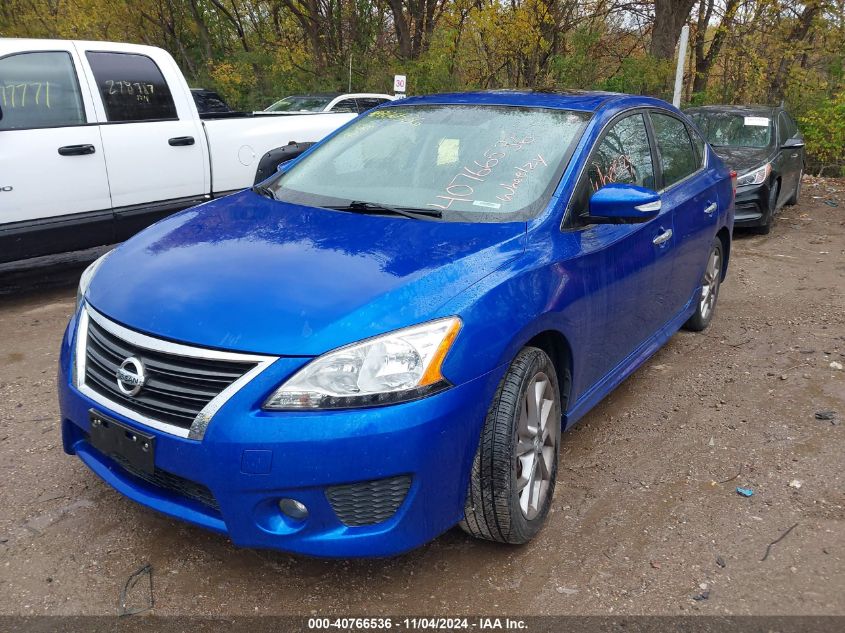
(677, 156)
(39, 90)
(132, 87)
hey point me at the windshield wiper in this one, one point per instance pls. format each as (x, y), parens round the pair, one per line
(415, 214)
(261, 190)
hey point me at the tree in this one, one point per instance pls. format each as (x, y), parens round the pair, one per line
(669, 18)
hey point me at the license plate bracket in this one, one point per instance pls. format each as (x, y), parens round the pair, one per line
(120, 441)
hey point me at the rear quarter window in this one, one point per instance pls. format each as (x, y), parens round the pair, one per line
(132, 87)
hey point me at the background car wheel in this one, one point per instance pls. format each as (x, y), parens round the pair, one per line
(709, 293)
(515, 466)
(797, 195)
(770, 212)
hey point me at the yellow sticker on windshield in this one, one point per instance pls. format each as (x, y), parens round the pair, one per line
(447, 151)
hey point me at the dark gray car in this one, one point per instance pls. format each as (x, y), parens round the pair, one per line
(763, 145)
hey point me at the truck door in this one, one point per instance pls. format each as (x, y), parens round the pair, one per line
(54, 192)
(155, 147)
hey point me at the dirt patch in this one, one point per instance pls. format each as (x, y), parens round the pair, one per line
(646, 517)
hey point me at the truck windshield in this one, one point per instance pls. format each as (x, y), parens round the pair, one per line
(472, 163)
(734, 130)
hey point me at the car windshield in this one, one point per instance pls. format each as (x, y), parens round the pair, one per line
(470, 163)
(300, 104)
(728, 129)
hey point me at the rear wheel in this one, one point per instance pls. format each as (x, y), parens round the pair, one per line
(515, 467)
(709, 293)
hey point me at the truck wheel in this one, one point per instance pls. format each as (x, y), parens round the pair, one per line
(515, 467)
(709, 292)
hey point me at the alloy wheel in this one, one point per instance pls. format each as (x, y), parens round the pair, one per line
(535, 445)
(710, 286)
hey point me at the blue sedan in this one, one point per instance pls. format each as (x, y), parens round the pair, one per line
(388, 337)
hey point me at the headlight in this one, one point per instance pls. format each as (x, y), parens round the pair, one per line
(395, 367)
(756, 177)
(87, 276)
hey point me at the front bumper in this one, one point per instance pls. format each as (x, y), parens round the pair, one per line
(752, 205)
(231, 480)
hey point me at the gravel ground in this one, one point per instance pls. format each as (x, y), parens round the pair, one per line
(646, 519)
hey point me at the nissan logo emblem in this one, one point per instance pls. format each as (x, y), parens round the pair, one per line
(131, 376)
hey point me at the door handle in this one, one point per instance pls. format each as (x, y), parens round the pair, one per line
(76, 150)
(710, 209)
(177, 141)
(662, 238)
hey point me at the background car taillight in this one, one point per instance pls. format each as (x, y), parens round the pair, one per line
(733, 182)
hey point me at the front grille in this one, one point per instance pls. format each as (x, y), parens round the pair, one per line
(368, 502)
(173, 483)
(177, 387)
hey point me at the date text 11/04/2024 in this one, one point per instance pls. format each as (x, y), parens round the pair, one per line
(418, 623)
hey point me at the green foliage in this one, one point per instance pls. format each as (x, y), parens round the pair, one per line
(257, 51)
(824, 131)
(642, 74)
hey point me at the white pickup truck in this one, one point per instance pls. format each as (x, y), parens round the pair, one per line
(99, 139)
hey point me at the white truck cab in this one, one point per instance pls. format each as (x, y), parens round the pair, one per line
(100, 139)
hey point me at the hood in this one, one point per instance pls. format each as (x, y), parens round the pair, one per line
(743, 159)
(246, 273)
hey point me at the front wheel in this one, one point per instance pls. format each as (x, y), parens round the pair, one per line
(515, 467)
(796, 196)
(709, 292)
(772, 204)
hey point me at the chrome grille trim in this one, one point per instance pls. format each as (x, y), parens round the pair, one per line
(200, 423)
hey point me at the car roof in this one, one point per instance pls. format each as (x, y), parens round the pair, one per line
(583, 101)
(759, 110)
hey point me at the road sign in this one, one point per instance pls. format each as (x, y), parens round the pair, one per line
(399, 83)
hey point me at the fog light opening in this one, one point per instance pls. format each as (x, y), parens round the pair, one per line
(293, 509)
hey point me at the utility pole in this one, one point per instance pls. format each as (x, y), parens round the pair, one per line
(679, 71)
(350, 72)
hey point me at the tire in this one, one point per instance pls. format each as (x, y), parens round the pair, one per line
(498, 505)
(797, 195)
(772, 202)
(711, 281)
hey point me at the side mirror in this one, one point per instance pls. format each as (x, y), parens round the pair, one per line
(793, 143)
(621, 203)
